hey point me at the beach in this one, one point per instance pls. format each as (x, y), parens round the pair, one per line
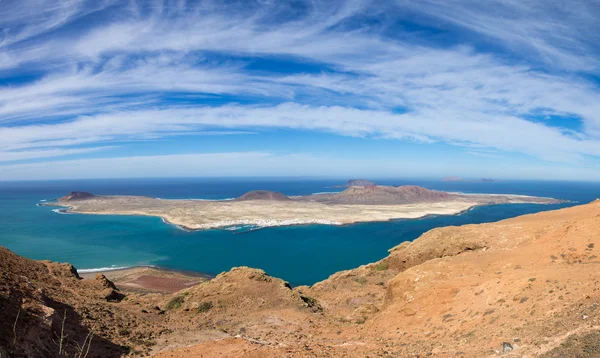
(148, 279)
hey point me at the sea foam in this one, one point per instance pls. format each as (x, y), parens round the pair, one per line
(262, 223)
(61, 211)
(101, 269)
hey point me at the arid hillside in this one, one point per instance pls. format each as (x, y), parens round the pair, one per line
(523, 287)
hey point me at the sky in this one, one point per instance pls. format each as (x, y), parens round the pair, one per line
(431, 88)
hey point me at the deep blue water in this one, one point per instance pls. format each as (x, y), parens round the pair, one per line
(301, 255)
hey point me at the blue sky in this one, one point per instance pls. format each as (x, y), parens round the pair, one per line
(429, 88)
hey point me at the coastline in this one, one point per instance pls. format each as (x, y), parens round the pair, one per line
(147, 278)
(386, 213)
(262, 208)
(249, 216)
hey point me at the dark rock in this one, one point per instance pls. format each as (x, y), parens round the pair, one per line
(106, 283)
(311, 303)
(111, 295)
(506, 347)
(73, 271)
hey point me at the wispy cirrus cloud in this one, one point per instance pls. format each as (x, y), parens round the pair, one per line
(501, 132)
(91, 74)
(562, 34)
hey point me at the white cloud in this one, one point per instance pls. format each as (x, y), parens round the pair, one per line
(248, 164)
(107, 82)
(560, 33)
(46, 153)
(498, 131)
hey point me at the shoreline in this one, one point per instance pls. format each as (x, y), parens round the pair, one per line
(262, 209)
(267, 223)
(134, 267)
(259, 223)
(148, 278)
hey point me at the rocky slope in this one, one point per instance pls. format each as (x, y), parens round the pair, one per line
(46, 310)
(523, 287)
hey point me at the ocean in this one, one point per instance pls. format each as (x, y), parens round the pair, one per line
(300, 255)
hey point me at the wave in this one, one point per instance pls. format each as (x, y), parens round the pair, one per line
(262, 223)
(62, 211)
(101, 269)
(43, 200)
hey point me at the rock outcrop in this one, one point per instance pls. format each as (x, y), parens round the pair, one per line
(42, 301)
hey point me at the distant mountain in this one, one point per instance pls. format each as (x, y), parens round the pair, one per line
(263, 195)
(452, 179)
(76, 195)
(383, 195)
(359, 182)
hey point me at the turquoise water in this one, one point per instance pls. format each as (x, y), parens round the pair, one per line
(301, 255)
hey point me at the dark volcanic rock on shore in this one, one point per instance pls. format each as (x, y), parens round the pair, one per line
(77, 195)
(263, 195)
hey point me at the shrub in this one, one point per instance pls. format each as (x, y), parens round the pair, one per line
(360, 280)
(204, 307)
(382, 266)
(124, 332)
(174, 303)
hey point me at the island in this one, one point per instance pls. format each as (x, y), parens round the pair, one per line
(359, 182)
(461, 179)
(356, 182)
(262, 208)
